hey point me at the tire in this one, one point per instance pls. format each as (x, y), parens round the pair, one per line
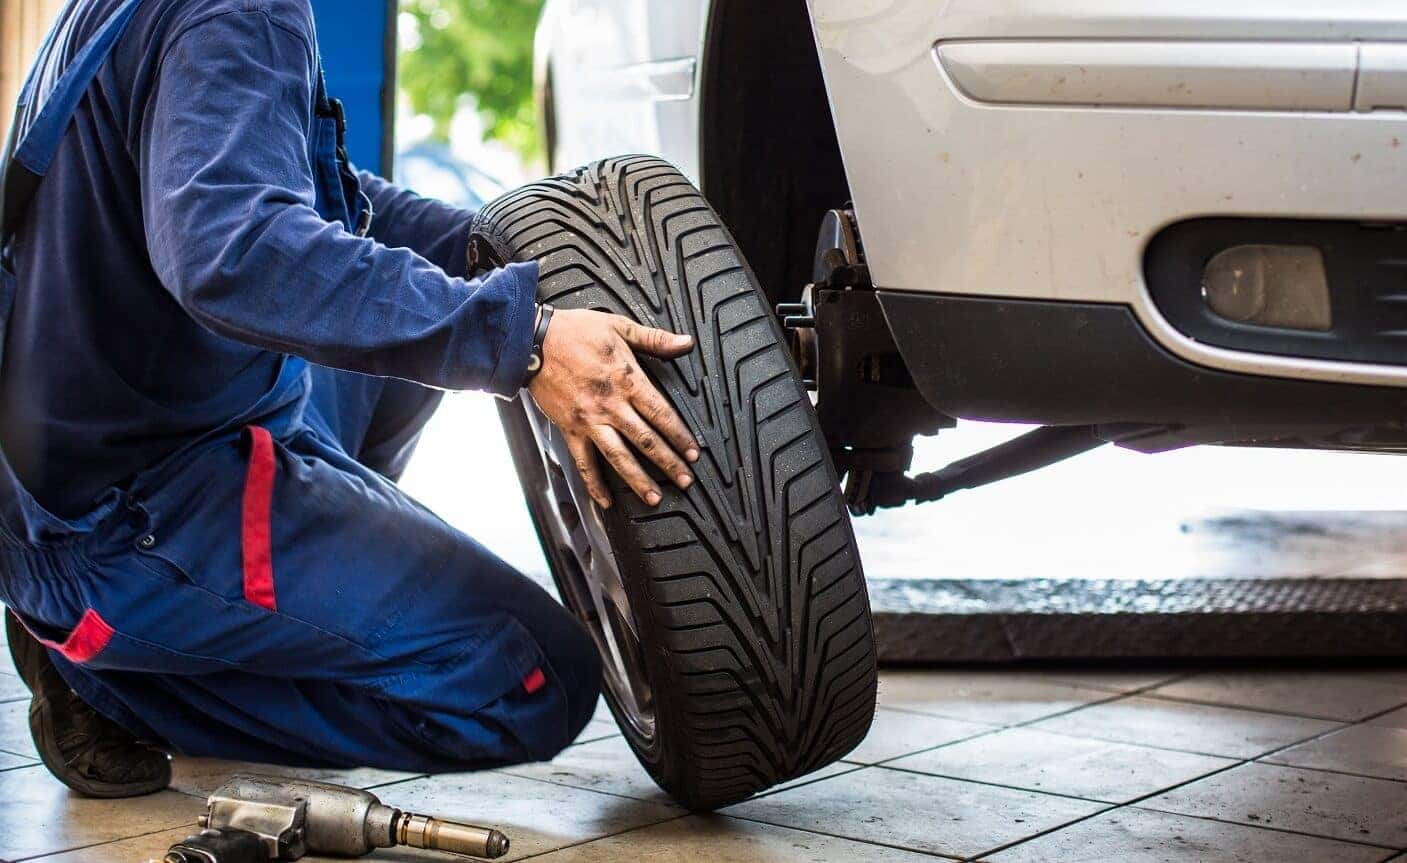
(746, 599)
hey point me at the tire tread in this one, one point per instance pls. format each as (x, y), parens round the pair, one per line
(756, 620)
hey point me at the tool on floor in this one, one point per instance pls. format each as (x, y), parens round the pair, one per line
(256, 819)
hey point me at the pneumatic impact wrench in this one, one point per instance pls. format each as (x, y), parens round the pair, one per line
(257, 819)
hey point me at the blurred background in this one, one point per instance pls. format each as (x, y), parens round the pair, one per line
(466, 129)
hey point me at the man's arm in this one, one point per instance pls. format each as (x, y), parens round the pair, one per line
(227, 197)
(432, 229)
(228, 194)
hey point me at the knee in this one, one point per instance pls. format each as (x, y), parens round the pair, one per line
(533, 721)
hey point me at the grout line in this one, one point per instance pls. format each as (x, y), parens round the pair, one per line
(48, 854)
(542, 854)
(1330, 770)
(803, 781)
(1297, 742)
(1371, 716)
(1175, 677)
(391, 782)
(1239, 762)
(1108, 698)
(1206, 703)
(1269, 827)
(583, 740)
(502, 771)
(1000, 848)
(988, 733)
(842, 836)
(28, 762)
(971, 781)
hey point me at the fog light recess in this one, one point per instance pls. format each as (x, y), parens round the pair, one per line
(1269, 286)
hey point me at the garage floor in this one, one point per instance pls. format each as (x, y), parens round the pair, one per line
(1060, 764)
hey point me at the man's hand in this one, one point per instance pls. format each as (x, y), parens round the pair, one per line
(593, 389)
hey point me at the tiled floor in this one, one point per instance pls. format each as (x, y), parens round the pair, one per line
(1062, 764)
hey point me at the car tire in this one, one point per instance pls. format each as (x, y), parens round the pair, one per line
(741, 600)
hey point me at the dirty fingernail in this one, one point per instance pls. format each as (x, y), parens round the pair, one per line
(692, 455)
(684, 480)
(652, 498)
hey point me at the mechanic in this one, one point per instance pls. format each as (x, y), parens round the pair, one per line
(220, 346)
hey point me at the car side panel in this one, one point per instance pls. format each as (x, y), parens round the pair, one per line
(1004, 189)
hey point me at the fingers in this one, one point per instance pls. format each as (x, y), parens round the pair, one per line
(662, 416)
(609, 442)
(584, 456)
(654, 447)
(656, 343)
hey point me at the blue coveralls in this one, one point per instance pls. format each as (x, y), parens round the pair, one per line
(206, 395)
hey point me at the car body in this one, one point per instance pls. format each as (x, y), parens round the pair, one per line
(1174, 222)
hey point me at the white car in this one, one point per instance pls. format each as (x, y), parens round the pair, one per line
(1155, 224)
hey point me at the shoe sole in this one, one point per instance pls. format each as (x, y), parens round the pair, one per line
(47, 746)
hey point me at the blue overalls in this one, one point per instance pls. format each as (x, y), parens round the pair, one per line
(266, 592)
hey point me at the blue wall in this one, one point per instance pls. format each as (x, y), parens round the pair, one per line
(352, 39)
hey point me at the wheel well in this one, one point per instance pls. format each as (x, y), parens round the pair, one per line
(769, 160)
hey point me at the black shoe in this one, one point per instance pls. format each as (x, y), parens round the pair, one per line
(82, 748)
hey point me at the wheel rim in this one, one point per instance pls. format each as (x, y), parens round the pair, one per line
(590, 577)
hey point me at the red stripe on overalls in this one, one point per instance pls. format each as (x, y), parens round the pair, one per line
(86, 641)
(256, 531)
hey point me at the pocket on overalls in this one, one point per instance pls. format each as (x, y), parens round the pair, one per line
(209, 523)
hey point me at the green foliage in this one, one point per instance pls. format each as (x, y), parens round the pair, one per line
(481, 48)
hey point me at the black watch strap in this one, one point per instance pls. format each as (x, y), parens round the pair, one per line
(539, 337)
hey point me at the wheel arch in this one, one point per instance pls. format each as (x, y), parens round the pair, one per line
(769, 161)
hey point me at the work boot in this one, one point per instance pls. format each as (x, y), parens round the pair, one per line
(82, 748)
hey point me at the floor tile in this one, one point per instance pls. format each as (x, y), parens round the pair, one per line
(537, 816)
(1096, 769)
(915, 811)
(14, 729)
(1203, 728)
(1344, 695)
(1373, 750)
(1140, 836)
(12, 688)
(1394, 719)
(40, 816)
(895, 733)
(152, 846)
(833, 769)
(1306, 801)
(719, 839)
(1112, 680)
(610, 767)
(200, 776)
(604, 765)
(9, 761)
(993, 697)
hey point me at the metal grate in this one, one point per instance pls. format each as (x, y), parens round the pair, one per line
(933, 621)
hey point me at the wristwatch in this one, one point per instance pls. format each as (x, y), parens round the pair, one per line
(544, 317)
